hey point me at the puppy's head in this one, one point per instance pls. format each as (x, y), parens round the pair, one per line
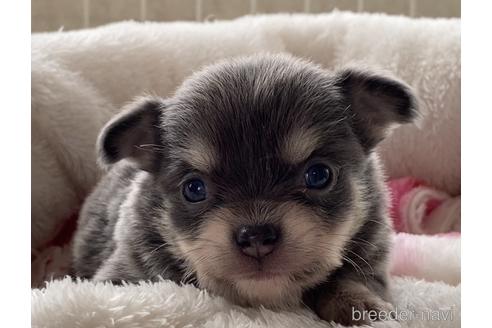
(264, 163)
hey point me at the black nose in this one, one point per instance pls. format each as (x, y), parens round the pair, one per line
(257, 240)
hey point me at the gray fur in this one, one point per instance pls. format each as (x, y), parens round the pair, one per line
(241, 112)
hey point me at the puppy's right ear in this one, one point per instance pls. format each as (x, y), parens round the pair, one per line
(376, 102)
(134, 134)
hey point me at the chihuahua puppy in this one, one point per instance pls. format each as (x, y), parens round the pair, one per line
(256, 181)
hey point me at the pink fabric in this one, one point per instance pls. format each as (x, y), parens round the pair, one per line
(420, 209)
(53, 260)
(417, 210)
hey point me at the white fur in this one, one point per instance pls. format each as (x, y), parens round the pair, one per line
(432, 258)
(165, 304)
(81, 78)
(83, 304)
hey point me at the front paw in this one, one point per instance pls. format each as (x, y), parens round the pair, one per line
(353, 304)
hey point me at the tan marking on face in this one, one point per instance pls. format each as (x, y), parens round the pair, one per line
(349, 224)
(359, 210)
(299, 145)
(213, 243)
(199, 154)
(308, 252)
(380, 178)
(305, 228)
(279, 292)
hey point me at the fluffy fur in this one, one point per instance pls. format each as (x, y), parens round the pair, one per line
(73, 94)
(433, 258)
(65, 303)
(333, 241)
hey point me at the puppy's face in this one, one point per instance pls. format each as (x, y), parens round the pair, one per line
(263, 163)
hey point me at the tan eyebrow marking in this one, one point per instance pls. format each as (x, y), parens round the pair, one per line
(299, 145)
(200, 155)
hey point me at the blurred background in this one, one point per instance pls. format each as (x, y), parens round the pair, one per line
(53, 15)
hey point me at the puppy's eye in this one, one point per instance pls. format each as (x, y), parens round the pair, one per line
(194, 190)
(317, 176)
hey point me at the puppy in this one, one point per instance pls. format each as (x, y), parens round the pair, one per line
(257, 181)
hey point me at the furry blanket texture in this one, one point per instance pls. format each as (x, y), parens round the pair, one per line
(165, 304)
(432, 300)
(81, 78)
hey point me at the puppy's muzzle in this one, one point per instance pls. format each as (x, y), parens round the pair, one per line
(257, 241)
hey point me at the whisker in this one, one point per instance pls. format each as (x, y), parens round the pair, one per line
(158, 247)
(370, 267)
(356, 267)
(381, 223)
(151, 148)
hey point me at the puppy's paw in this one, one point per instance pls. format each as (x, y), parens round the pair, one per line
(353, 304)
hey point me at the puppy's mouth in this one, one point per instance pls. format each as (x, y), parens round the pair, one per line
(261, 275)
(263, 261)
(278, 267)
(275, 280)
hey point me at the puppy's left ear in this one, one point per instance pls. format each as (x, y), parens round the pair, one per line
(375, 104)
(135, 134)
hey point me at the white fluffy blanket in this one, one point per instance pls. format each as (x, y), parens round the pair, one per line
(84, 304)
(418, 303)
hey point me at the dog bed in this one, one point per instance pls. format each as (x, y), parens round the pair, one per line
(165, 304)
(81, 78)
(433, 302)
